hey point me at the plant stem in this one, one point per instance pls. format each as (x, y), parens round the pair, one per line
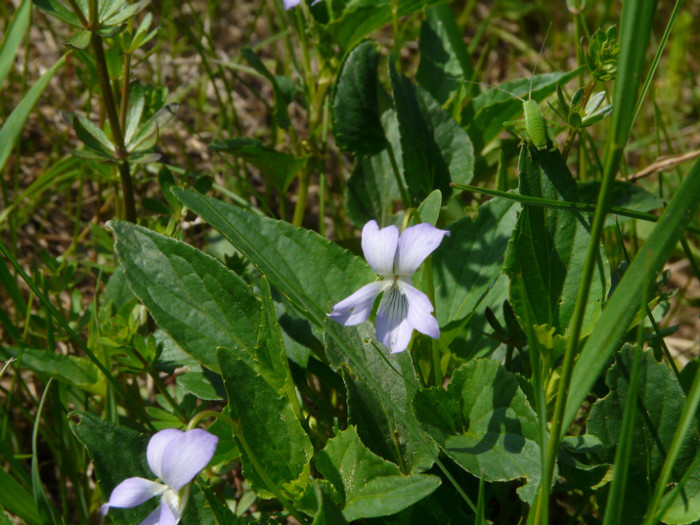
(111, 111)
(405, 197)
(435, 345)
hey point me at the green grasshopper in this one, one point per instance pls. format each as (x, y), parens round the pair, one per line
(532, 127)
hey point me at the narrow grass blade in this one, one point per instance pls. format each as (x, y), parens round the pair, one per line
(13, 38)
(635, 30)
(613, 511)
(12, 127)
(46, 510)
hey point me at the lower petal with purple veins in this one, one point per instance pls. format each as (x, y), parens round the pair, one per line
(393, 328)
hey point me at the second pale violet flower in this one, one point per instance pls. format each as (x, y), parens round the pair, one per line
(403, 308)
(176, 457)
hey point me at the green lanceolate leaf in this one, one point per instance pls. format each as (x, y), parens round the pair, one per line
(471, 259)
(279, 167)
(380, 427)
(444, 62)
(69, 369)
(372, 189)
(355, 20)
(436, 151)
(485, 116)
(355, 108)
(12, 127)
(546, 256)
(429, 210)
(484, 422)
(270, 358)
(274, 447)
(13, 38)
(58, 10)
(193, 297)
(94, 138)
(368, 485)
(660, 401)
(312, 272)
(117, 453)
(281, 112)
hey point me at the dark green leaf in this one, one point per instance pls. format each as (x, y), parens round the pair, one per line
(545, 259)
(270, 358)
(93, 137)
(192, 296)
(484, 422)
(272, 443)
(281, 168)
(471, 259)
(444, 63)
(205, 509)
(370, 486)
(381, 428)
(436, 151)
(117, 453)
(281, 114)
(660, 402)
(310, 271)
(57, 9)
(355, 108)
(69, 369)
(372, 188)
(355, 19)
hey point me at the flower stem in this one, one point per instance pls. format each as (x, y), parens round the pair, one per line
(405, 197)
(435, 343)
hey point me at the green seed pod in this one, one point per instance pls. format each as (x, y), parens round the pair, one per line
(534, 124)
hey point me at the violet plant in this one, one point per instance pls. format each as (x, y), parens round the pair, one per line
(234, 295)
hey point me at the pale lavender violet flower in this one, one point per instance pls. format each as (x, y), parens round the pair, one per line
(176, 457)
(288, 4)
(402, 308)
